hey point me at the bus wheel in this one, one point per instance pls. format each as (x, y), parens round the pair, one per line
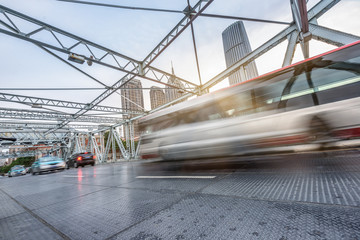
(164, 154)
(319, 131)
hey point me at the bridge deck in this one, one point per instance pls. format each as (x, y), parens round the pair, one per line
(307, 196)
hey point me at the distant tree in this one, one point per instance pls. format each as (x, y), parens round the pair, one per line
(26, 161)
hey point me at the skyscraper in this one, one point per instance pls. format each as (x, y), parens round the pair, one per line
(173, 93)
(157, 97)
(132, 99)
(236, 46)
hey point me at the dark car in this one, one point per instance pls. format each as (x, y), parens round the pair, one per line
(80, 159)
(47, 164)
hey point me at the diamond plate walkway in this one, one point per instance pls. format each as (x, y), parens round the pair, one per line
(307, 196)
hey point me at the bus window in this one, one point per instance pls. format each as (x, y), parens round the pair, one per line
(187, 117)
(299, 90)
(338, 81)
(267, 97)
(209, 112)
(165, 122)
(237, 104)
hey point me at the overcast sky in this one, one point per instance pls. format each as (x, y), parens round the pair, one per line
(136, 33)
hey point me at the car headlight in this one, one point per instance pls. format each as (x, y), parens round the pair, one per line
(62, 164)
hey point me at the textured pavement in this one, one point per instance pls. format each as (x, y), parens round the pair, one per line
(294, 196)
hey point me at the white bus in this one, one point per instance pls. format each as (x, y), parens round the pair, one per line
(308, 105)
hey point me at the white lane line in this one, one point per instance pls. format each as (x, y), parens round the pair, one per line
(72, 176)
(195, 177)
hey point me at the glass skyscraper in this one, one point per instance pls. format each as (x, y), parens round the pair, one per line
(236, 46)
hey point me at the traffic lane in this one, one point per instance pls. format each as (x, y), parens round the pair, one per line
(262, 197)
(334, 160)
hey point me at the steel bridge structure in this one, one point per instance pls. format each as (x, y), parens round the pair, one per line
(93, 126)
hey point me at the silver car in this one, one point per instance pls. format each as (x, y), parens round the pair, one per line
(47, 164)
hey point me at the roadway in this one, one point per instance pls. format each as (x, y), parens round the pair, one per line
(291, 196)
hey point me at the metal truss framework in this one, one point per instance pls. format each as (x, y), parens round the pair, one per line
(108, 57)
(104, 148)
(33, 137)
(301, 31)
(41, 102)
(16, 151)
(133, 68)
(44, 115)
(20, 125)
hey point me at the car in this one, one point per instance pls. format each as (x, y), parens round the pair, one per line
(47, 164)
(17, 170)
(80, 159)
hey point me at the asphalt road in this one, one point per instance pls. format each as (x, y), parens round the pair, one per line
(290, 196)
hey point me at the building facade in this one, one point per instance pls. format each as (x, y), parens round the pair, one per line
(132, 99)
(236, 46)
(157, 97)
(173, 93)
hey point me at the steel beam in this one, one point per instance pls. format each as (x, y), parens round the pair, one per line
(280, 37)
(42, 26)
(113, 145)
(291, 47)
(121, 145)
(198, 8)
(107, 148)
(132, 136)
(332, 36)
(40, 102)
(34, 137)
(43, 115)
(19, 125)
(299, 12)
(137, 149)
(96, 148)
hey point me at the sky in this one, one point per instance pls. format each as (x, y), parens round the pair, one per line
(136, 33)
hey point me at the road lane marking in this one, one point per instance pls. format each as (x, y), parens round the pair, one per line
(164, 177)
(72, 176)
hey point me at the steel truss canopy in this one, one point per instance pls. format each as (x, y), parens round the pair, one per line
(32, 137)
(20, 125)
(301, 30)
(41, 102)
(133, 68)
(118, 61)
(44, 115)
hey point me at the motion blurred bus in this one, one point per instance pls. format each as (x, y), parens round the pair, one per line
(305, 106)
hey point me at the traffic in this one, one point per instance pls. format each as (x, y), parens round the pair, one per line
(47, 164)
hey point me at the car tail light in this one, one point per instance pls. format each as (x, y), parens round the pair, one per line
(79, 158)
(94, 157)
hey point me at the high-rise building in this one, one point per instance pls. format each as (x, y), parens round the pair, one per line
(173, 93)
(236, 46)
(132, 99)
(157, 97)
